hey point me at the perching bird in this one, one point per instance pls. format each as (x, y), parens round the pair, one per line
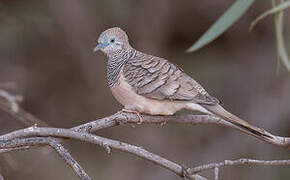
(152, 85)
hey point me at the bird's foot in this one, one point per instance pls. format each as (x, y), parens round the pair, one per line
(136, 112)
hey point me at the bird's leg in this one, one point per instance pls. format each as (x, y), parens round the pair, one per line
(136, 112)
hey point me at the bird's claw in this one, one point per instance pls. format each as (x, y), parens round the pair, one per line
(135, 112)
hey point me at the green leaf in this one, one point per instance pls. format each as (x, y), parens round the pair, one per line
(274, 10)
(222, 24)
(282, 52)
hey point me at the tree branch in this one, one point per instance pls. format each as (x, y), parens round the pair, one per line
(19, 114)
(66, 156)
(25, 143)
(121, 118)
(217, 166)
(28, 137)
(104, 142)
(27, 118)
(12, 139)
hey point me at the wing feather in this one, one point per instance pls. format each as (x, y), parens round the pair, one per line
(157, 78)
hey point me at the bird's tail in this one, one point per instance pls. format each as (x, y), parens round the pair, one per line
(219, 111)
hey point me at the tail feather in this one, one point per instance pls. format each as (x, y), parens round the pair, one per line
(218, 110)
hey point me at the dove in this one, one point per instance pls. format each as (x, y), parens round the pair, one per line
(146, 84)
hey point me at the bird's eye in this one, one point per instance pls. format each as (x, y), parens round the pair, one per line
(112, 40)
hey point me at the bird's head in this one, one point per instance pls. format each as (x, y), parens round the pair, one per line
(112, 40)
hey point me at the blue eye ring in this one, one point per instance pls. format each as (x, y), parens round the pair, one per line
(112, 40)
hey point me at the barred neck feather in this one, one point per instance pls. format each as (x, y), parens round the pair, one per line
(116, 62)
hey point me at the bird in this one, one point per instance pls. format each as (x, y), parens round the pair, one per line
(146, 84)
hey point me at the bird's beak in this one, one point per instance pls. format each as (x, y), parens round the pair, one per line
(100, 46)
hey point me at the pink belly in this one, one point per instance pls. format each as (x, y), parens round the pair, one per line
(124, 94)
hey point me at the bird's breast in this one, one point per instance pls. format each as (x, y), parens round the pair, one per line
(127, 96)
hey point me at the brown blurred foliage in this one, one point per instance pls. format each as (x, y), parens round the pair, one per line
(46, 48)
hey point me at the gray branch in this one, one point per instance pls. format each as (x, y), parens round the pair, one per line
(27, 118)
(124, 118)
(14, 149)
(33, 131)
(25, 143)
(20, 115)
(121, 118)
(217, 166)
(37, 136)
(66, 156)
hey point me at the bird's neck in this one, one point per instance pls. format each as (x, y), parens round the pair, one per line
(116, 61)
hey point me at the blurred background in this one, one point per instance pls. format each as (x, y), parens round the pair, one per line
(46, 48)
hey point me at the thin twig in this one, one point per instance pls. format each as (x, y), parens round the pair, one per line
(12, 99)
(238, 162)
(8, 85)
(69, 160)
(216, 173)
(18, 143)
(13, 149)
(9, 104)
(22, 115)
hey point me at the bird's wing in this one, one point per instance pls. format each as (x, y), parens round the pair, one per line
(157, 78)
